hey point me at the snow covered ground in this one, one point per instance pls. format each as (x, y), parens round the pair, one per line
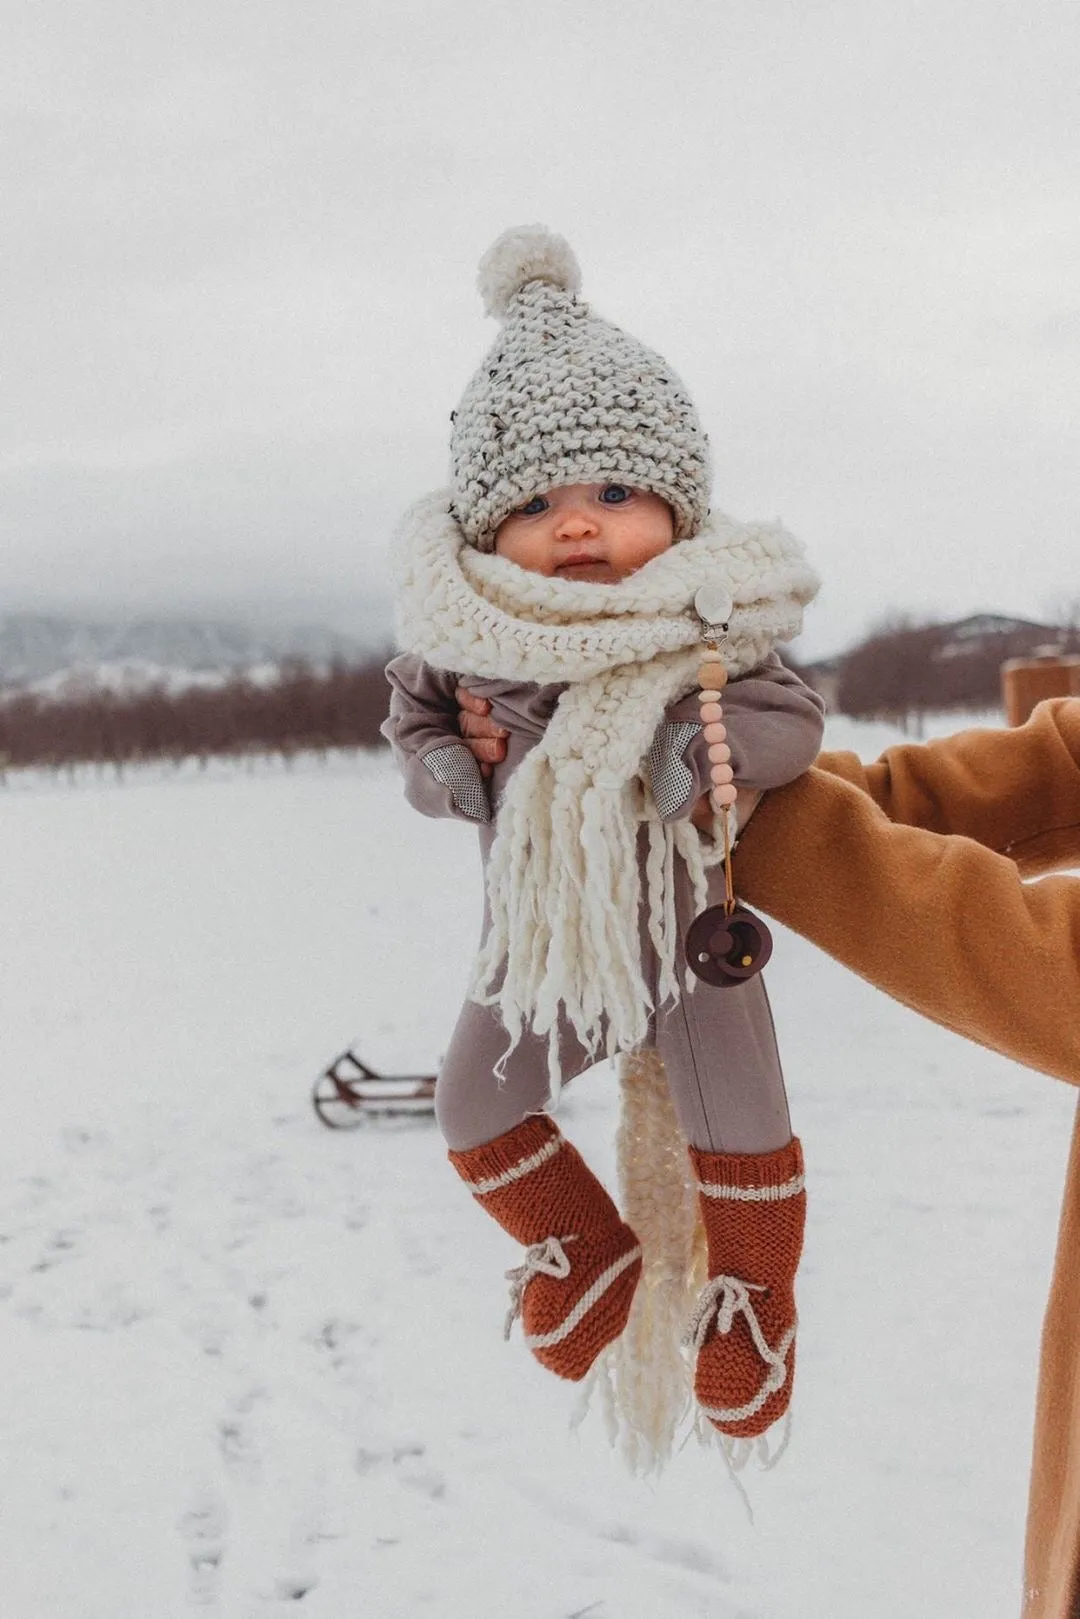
(251, 1367)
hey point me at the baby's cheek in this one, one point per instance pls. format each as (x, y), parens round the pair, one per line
(648, 546)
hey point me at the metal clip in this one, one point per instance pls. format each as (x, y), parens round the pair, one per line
(714, 606)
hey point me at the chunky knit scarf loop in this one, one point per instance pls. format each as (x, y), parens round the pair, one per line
(563, 876)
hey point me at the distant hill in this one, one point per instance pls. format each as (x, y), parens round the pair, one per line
(56, 654)
(943, 665)
(966, 637)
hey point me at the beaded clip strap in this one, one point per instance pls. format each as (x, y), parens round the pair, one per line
(714, 606)
(726, 944)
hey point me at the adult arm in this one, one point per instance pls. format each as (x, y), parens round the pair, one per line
(442, 777)
(1016, 791)
(942, 924)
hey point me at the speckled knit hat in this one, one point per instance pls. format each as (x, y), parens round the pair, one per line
(565, 397)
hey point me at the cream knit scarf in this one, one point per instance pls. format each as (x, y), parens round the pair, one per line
(563, 877)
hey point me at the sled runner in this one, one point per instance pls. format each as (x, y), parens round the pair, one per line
(348, 1091)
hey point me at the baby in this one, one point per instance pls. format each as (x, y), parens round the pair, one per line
(556, 581)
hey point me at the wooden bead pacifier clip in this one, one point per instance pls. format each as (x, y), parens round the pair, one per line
(727, 944)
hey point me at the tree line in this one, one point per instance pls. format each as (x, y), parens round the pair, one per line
(900, 671)
(302, 710)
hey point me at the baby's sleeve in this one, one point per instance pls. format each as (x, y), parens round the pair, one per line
(774, 723)
(442, 777)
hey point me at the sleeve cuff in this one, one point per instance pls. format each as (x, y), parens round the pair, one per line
(672, 781)
(455, 767)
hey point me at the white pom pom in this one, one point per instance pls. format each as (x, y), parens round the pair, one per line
(527, 253)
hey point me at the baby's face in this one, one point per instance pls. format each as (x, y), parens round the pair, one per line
(595, 531)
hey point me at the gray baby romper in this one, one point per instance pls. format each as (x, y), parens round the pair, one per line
(718, 1045)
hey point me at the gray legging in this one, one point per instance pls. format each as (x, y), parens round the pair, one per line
(718, 1047)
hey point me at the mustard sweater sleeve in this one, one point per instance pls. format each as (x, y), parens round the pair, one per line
(1016, 791)
(942, 924)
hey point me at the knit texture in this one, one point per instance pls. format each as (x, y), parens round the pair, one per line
(644, 1383)
(564, 397)
(753, 1207)
(583, 1263)
(563, 875)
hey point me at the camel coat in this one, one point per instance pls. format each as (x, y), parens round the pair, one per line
(845, 856)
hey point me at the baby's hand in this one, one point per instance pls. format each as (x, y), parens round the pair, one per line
(747, 800)
(485, 740)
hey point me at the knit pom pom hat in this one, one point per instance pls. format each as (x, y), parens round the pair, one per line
(564, 397)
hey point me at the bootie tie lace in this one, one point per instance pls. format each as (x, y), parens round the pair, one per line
(721, 1301)
(546, 1258)
(574, 1289)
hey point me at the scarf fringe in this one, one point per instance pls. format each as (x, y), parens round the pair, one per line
(643, 1384)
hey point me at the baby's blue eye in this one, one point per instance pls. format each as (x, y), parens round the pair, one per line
(613, 494)
(534, 507)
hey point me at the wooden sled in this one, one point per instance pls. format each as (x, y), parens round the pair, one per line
(348, 1092)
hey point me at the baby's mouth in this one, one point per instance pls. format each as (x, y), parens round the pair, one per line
(590, 569)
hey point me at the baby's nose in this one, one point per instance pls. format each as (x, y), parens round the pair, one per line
(575, 523)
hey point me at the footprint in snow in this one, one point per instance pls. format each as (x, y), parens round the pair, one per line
(409, 1467)
(203, 1530)
(285, 1588)
(236, 1440)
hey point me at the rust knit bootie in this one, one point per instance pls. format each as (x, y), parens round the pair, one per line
(575, 1288)
(753, 1207)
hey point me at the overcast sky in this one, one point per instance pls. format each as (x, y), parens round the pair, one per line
(237, 297)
